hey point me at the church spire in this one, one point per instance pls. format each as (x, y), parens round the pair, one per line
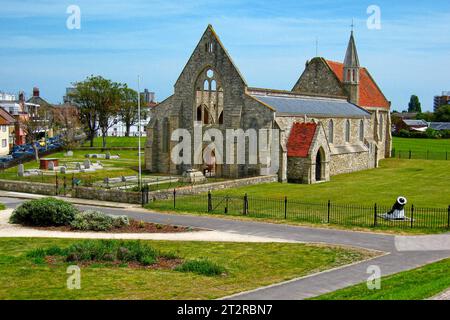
(351, 70)
(351, 56)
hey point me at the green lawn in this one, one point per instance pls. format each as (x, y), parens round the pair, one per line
(421, 145)
(417, 284)
(127, 165)
(424, 183)
(114, 142)
(248, 265)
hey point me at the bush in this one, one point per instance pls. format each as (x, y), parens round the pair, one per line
(202, 267)
(98, 221)
(44, 212)
(109, 250)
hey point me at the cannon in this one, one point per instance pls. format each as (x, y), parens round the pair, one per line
(398, 210)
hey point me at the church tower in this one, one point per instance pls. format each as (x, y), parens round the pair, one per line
(351, 71)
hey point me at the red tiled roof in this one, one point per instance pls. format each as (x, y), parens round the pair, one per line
(370, 94)
(300, 139)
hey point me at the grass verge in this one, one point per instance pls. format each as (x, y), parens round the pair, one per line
(248, 266)
(421, 283)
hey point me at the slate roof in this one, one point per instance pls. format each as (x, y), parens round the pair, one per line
(370, 95)
(440, 125)
(6, 118)
(300, 139)
(415, 123)
(286, 104)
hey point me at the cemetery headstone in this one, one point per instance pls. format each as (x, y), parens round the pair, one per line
(51, 166)
(20, 170)
(87, 164)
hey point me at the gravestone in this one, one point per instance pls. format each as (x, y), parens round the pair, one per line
(69, 153)
(63, 170)
(108, 155)
(20, 170)
(87, 164)
(78, 166)
(51, 166)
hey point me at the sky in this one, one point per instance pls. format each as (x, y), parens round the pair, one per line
(269, 41)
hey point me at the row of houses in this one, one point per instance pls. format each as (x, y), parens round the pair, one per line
(420, 125)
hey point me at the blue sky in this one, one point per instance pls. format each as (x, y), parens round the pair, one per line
(269, 41)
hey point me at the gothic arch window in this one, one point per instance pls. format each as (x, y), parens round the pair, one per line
(381, 126)
(199, 113)
(210, 97)
(361, 130)
(205, 116)
(347, 131)
(331, 131)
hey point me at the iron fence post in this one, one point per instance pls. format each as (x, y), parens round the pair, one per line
(226, 204)
(328, 211)
(448, 218)
(64, 185)
(285, 207)
(209, 201)
(245, 204)
(412, 216)
(174, 198)
(375, 215)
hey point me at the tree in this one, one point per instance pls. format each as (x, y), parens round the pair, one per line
(442, 114)
(427, 116)
(66, 120)
(414, 104)
(97, 99)
(34, 125)
(128, 110)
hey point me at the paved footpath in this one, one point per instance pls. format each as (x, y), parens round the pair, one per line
(392, 262)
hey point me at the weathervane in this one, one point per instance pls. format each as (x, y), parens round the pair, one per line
(352, 25)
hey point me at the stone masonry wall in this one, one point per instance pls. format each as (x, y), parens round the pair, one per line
(28, 187)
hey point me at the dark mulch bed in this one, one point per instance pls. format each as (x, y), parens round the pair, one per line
(134, 227)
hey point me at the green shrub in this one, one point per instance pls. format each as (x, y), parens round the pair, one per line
(202, 267)
(44, 212)
(110, 250)
(98, 221)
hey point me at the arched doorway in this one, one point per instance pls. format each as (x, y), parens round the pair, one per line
(209, 158)
(318, 166)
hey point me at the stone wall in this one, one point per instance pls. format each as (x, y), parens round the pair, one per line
(107, 195)
(28, 187)
(297, 169)
(203, 188)
(319, 79)
(349, 162)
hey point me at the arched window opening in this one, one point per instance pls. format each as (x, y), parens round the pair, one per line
(347, 131)
(213, 85)
(221, 118)
(331, 131)
(199, 113)
(165, 135)
(206, 85)
(361, 130)
(205, 116)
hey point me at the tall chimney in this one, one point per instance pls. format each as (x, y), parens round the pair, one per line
(35, 92)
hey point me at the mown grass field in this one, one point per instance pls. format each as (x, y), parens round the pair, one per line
(424, 183)
(417, 284)
(114, 142)
(248, 266)
(421, 145)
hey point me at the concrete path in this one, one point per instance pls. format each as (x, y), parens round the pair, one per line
(394, 261)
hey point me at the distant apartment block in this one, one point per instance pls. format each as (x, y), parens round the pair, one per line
(441, 100)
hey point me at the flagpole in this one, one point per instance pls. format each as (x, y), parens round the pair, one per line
(139, 136)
